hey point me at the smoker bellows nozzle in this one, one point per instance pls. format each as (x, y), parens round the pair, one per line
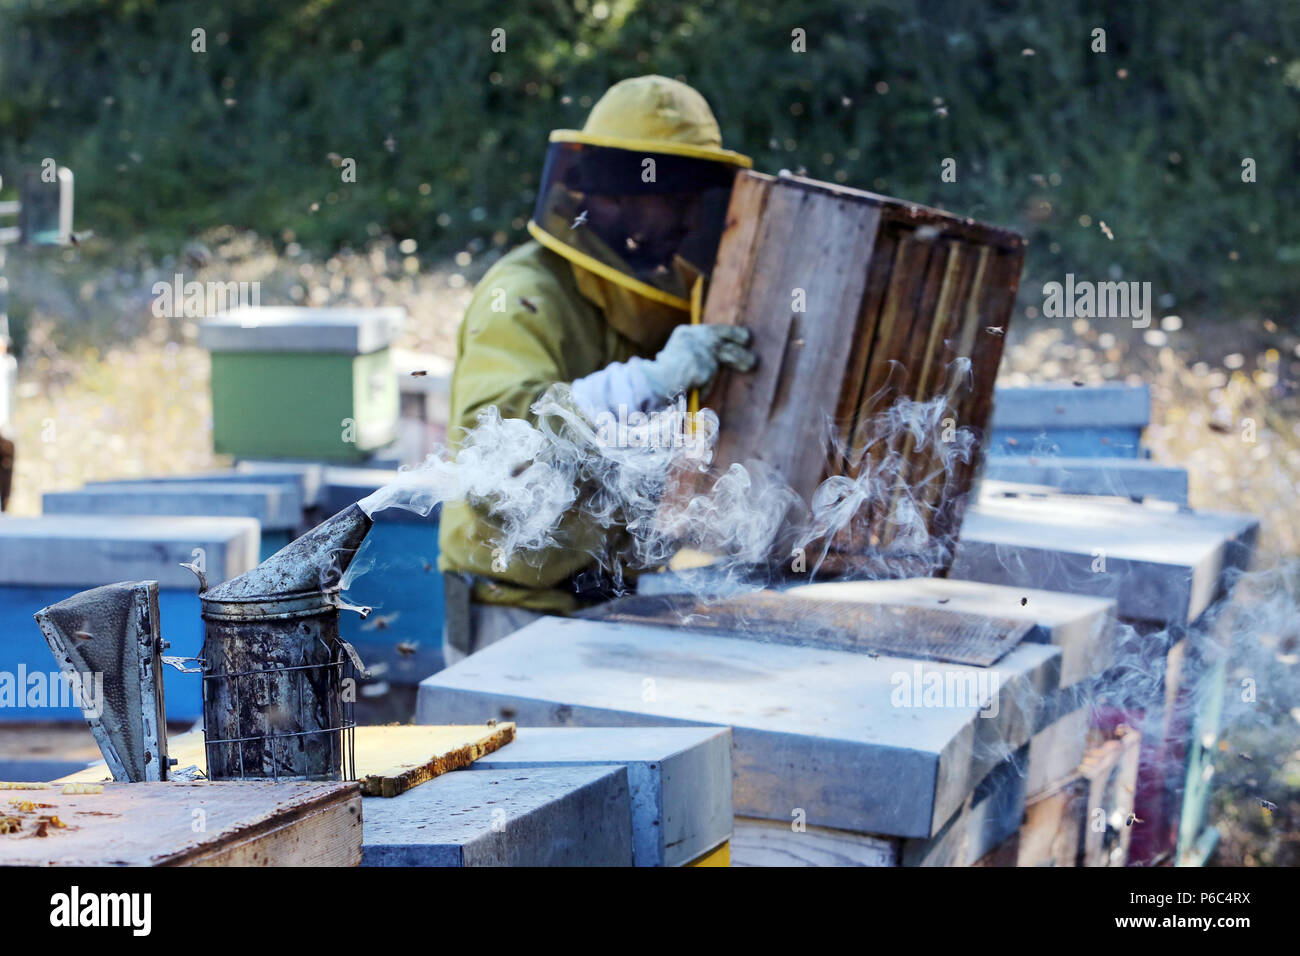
(310, 564)
(107, 643)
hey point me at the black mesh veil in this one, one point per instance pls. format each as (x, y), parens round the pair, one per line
(653, 217)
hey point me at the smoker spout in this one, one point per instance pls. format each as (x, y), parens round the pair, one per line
(314, 562)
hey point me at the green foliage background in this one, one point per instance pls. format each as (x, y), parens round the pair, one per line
(167, 143)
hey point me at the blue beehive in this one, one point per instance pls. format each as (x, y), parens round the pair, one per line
(396, 573)
(44, 560)
(1103, 421)
(277, 506)
(302, 480)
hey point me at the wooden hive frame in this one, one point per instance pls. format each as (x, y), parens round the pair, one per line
(895, 295)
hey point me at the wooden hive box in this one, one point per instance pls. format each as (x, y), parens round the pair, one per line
(856, 301)
(203, 823)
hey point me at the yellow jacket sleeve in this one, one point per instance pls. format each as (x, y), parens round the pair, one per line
(527, 327)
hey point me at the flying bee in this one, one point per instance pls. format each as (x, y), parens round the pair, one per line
(380, 623)
(580, 221)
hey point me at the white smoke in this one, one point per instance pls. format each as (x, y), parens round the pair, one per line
(654, 498)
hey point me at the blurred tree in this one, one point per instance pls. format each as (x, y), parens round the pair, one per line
(1049, 134)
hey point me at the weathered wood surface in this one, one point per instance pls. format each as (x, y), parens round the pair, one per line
(1111, 771)
(1055, 751)
(818, 243)
(188, 824)
(898, 301)
(679, 778)
(1086, 817)
(533, 816)
(1082, 627)
(756, 842)
(390, 760)
(830, 618)
(822, 730)
(1054, 822)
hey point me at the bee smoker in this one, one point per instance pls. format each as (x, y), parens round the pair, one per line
(278, 681)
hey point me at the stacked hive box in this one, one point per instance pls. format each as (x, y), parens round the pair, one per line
(820, 736)
(44, 560)
(1166, 568)
(303, 383)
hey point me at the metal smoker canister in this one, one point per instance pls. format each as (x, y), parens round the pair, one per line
(275, 704)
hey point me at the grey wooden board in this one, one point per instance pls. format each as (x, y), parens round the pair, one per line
(1122, 477)
(352, 331)
(1162, 565)
(541, 816)
(680, 780)
(1056, 751)
(1082, 627)
(305, 480)
(812, 728)
(789, 616)
(277, 507)
(89, 550)
(757, 842)
(1068, 406)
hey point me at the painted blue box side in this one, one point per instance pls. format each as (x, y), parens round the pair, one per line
(396, 573)
(21, 643)
(1107, 442)
(1071, 406)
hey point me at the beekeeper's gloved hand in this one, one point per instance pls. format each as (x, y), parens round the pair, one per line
(690, 359)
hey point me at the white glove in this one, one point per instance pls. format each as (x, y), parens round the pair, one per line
(690, 359)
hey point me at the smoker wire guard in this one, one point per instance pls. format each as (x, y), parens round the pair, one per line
(344, 664)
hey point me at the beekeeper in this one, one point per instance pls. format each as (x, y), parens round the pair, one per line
(628, 218)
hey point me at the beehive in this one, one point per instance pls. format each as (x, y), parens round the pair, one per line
(856, 301)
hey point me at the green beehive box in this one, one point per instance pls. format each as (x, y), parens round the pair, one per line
(307, 383)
